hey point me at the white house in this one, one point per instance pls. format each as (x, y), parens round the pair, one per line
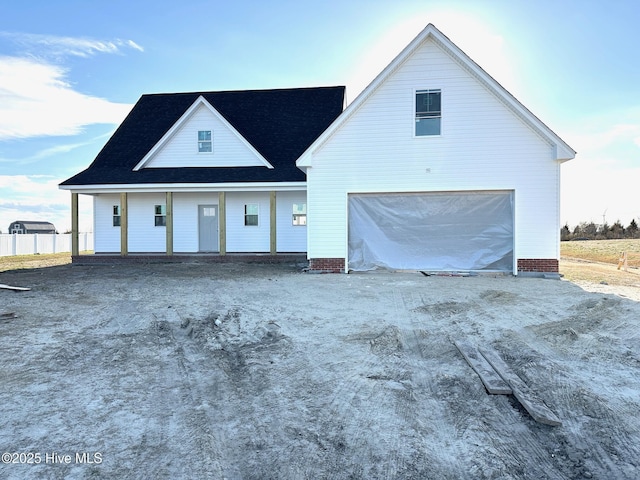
(206, 172)
(434, 167)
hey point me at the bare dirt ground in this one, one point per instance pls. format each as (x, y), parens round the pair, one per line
(243, 371)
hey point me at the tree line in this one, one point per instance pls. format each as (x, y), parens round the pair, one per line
(591, 231)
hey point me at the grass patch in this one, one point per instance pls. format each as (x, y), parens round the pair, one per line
(605, 251)
(18, 262)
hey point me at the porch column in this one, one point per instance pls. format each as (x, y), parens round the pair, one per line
(272, 223)
(222, 222)
(169, 223)
(124, 221)
(75, 250)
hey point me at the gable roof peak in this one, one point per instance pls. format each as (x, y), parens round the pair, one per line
(277, 123)
(186, 116)
(562, 150)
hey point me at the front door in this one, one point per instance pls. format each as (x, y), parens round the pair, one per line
(208, 228)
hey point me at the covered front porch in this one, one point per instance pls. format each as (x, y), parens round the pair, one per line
(126, 225)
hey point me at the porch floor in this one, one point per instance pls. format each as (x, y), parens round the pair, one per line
(144, 258)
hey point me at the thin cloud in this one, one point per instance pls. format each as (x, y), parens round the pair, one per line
(612, 141)
(35, 95)
(58, 46)
(52, 151)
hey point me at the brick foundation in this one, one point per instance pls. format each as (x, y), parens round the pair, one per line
(542, 265)
(326, 265)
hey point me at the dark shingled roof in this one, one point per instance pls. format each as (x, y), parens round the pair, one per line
(34, 225)
(280, 124)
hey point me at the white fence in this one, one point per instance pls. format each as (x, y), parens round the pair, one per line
(32, 243)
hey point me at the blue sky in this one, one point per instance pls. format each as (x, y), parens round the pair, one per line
(71, 70)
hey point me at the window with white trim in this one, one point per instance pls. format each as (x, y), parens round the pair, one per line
(428, 112)
(160, 213)
(251, 211)
(205, 141)
(299, 214)
(116, 215)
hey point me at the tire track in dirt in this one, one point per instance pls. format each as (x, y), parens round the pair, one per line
(550, 448)
(250, 352)
(584, 340)
(576, 453)
(427, 348)
(397, 388)
(360, 405)
(191, 434)
(480, 423)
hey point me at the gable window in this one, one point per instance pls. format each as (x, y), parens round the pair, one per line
(205, 144)
(116, 215)
(299, 214)
(251, 214)
(428, 112)
(160, 215)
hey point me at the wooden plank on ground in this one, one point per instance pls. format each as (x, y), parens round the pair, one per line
(525, 395)
(490, 378)
(15, 289)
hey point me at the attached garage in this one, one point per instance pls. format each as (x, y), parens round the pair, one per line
(443, 231)
(435, 167)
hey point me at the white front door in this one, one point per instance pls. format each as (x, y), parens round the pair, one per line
(208, 228)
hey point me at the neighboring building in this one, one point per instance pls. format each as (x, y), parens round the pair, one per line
(434, 166)
(28, 226)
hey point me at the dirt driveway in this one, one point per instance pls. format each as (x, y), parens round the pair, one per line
(264, 372)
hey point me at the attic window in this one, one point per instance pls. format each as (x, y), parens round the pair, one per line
(428, 112)
(205, 144)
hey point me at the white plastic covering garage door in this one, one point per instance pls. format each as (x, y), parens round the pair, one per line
(452, 231)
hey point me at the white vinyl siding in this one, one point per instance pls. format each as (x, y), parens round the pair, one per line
(106, 236)
(289, 237)
(484, 146)
(181, 150)
(241, 238)
(144, 236)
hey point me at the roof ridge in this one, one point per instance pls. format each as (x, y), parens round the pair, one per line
(250, 90)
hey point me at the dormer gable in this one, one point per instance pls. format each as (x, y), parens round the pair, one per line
(202, 137)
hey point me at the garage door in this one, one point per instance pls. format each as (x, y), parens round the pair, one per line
(452, 231)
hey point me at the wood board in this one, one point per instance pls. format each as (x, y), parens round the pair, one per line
(525, 395)
(15, 289)
(493, 382)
